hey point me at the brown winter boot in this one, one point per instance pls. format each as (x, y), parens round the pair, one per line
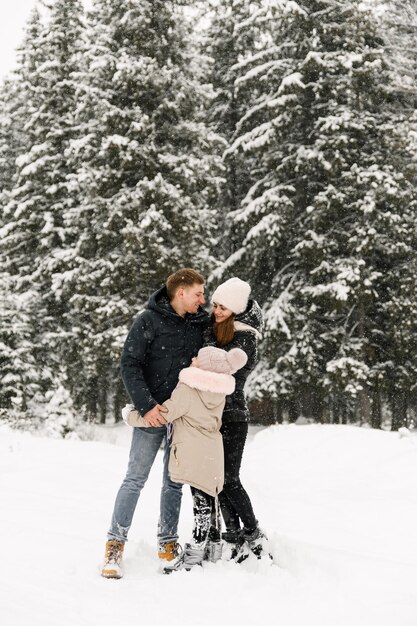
(169, 551)
(113, 560)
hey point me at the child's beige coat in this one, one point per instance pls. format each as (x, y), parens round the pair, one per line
(196, 406)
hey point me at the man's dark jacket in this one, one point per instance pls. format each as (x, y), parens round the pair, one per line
(160, 343)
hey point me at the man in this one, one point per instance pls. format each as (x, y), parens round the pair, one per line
(163, 339)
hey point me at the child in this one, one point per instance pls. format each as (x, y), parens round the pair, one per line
(196, 458)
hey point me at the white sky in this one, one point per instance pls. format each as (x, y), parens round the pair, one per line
(13, 16)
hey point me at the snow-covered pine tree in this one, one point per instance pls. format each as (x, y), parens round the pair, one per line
(399, 22)
(55, 124)
(233, 35)
(18, 376)
(399, 35)
(19, 301)
(23, 381)
(10, 140)
(42, 105)
(329, 222)
(22, 101)
(147, 176)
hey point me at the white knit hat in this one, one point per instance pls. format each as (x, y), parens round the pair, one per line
(218, 360)
(232, 294)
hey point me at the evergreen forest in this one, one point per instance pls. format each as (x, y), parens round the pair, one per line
(274, 140)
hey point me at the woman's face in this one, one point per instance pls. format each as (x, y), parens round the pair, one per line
(220, 312)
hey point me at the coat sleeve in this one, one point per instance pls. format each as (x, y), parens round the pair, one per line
(137, 345)
(178, 404)
(134, 418)
(248, 343)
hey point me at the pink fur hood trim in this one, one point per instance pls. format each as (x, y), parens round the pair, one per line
(207, 381)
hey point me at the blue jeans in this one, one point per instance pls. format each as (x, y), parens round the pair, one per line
(145, 445)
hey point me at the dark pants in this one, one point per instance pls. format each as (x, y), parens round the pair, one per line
(206, 517)
(235, 504)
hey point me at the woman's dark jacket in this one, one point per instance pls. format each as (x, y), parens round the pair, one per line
(236, 409)
(160, 343)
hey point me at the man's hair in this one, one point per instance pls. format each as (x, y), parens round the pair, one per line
(185, 277)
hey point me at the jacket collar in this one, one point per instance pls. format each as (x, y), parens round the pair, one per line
(246, 328)
(159, 302)
(207, 381)
(251, 318)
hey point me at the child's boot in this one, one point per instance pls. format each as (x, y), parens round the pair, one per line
(213, 551)
(189, 558)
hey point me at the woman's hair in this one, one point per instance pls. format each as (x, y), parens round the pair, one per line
(185, 277)
(224, 331)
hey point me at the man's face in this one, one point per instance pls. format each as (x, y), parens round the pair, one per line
(192, 297)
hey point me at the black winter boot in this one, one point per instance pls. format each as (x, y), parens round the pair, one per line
(232, 542)
(256, 542)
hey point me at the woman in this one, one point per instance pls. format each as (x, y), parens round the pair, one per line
(236, 323)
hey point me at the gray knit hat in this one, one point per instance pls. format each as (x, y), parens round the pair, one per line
(218, 360)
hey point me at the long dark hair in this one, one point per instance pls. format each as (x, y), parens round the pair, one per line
(224, 331)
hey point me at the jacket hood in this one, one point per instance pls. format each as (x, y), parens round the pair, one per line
(213, 386)
(159, 302)
(251, 319)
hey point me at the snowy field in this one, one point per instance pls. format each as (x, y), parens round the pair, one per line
(339, 504)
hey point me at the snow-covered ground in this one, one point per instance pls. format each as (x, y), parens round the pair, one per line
(339, 504)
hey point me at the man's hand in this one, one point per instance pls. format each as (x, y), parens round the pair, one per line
(154, 417)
